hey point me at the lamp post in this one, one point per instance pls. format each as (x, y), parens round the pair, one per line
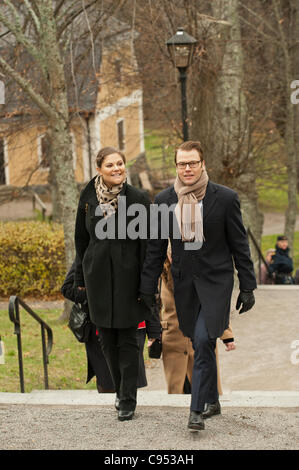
(181, 48)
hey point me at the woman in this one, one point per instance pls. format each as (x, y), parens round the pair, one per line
(108, 267)
(96, 362)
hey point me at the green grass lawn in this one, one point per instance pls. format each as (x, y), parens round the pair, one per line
(273, 199)
(67, 368)
(160, 153)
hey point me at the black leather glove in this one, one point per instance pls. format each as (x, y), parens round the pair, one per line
(148, 299)
(246, 299)
(80, 295)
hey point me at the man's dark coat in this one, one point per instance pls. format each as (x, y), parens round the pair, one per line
(110, 269)
(204, 277)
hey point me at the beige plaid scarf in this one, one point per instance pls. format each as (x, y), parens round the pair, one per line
(188, 211)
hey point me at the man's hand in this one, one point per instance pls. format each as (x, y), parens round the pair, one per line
(230, 346)
(246, 299)
(148, 299)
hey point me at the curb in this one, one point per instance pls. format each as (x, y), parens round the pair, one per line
(263, 399)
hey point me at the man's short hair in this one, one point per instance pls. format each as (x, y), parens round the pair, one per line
(281, 237)
(190, 145)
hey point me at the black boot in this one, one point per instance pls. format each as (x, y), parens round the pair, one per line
(211, 409)
(196, 422)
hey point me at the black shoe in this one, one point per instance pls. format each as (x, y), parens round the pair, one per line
(117, 403)
(196, 422)
(211, 409)
(125, 415)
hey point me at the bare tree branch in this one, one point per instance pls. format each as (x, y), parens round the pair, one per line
(260, 18)
(33, 15)
(27, 87)
(16, 30)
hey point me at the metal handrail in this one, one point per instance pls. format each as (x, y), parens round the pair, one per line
(260, 254)
(36, 198)
(14, 315)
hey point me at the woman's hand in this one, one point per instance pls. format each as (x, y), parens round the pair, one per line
(80, 295)
(150, 341)
(230, 346)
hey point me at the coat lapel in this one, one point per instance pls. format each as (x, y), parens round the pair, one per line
(90, 195)
(173, 198)
(209, 199)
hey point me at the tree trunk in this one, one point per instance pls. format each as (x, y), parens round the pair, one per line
(222, 115)
(290, 142)
(61, 158)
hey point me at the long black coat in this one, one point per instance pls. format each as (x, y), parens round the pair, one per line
(96, 362)
(110, 268)
(204, 277)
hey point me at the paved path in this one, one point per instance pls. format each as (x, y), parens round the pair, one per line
(89, 427)
(260, 404)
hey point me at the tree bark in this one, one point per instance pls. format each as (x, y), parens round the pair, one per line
(290, 129)
(221, 118)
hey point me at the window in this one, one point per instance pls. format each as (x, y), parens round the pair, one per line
(2, 163)
(121, 134)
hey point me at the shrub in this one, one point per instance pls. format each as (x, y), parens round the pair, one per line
(32, 259)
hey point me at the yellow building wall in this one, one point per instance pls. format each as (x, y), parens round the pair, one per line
(109, 135)
(22, 150)
(111, 90)
(22, 147)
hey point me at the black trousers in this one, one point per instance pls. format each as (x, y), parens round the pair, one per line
(121, 350)
(204, 375)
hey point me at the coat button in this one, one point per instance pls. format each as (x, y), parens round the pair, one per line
(185, 352)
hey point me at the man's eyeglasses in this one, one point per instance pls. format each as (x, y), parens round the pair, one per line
(193, 164)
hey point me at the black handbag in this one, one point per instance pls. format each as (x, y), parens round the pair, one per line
(79, 323)
(155, 349)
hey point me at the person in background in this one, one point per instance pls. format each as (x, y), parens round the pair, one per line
(282, 265)
(265, 277)
(96, 362)
(108, 266)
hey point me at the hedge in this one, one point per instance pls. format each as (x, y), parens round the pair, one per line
(32, 259)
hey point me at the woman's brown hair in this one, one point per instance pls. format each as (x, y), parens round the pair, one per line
(104, 152)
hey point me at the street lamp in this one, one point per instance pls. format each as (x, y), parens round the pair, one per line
(181, 48)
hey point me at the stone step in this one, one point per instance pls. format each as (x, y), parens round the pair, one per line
(242, 398)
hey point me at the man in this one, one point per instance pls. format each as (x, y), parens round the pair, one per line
(211, 237)
(282, 264)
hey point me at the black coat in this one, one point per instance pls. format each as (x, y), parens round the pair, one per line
(281, 262)
(96, 362)
(110, 268)
(204, 277)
